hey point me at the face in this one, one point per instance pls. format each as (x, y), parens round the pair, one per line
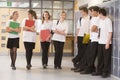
(63, 16)
(82, 12)
(100, 16)
(46, 15)
(15, 15)
(30, 15)
(90, 12)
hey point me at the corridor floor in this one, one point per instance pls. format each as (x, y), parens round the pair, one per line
(38, 73)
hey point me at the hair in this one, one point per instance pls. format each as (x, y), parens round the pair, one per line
(33, 13)
(90, 8)
(43, 19)
(63, 12)
(96, 8)
(84, 9)
(11, 17)
(103, 12)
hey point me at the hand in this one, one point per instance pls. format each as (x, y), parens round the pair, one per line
(107, 46)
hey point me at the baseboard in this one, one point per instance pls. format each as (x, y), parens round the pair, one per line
(115, 77)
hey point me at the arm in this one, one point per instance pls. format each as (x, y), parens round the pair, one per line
(108, 41)
(94, 28)
(25, 28)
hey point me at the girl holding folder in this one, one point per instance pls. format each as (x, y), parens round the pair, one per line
(60, 29)
(29, 36)
(13, 28)
(45, 35)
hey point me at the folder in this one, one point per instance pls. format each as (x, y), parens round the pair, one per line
(14, 25)
(44, 34)
(29, 23)
(86, 39)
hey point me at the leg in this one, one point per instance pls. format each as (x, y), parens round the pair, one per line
(100, 61)
(60, 54)
(45, 48)
(92, 57)
(57, 50)
(11, 56)
(107, 62)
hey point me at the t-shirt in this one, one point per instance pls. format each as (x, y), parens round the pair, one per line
(60, 26)
(105, 27)
(94, 35)
(44, 26)
(29, 36)
(9, 34)
(84, 26)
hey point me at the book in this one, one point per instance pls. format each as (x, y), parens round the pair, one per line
(14, 25)
(44, 34)
(86, 39)
(29, 23)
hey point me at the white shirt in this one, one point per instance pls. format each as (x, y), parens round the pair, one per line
(44, 26)
(60, 26)
(29, 36)
(84, 26)
(105, 27)
(94, 35)
(9, 34)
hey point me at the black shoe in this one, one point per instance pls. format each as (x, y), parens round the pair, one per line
(59, 67)
(44, 66)
(78, 70)
(105, 75)
(95, 74)
(72, 69)
(12, 65)
(13, 68)
(28, 67)
(85, 72)
(55, 67)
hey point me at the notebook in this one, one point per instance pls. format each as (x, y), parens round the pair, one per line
(29, 23)
(86, 39)
(14, 25)
(44, 34)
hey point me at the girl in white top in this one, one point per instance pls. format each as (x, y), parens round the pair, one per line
(29, 37)
(13, 39)
(60, 29)
(46, 24)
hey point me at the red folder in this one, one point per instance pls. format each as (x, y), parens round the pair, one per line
(29, 23)
(44, 34)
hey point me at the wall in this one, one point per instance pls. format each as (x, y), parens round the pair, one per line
(113, 8)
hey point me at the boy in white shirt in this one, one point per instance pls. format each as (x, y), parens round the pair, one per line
(82, 28)
(104, 47)
(91, 51)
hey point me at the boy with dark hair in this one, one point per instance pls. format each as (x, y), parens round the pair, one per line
(104, 47)
(93, 46)
(82, 28)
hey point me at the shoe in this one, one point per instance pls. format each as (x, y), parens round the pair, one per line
(28, 67)
(72, 69)
(78, 70)
(105, 75)
(13, 68)
(85, 72)
(95, 74)
(59, 67)
(12, 65)
(44, 66)
(55, 67)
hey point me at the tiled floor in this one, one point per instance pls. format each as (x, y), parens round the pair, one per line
(37, 73)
